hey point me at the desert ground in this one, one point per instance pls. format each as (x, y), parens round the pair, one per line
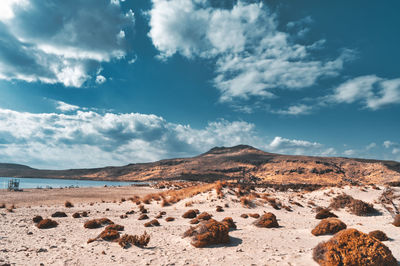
(22, 243)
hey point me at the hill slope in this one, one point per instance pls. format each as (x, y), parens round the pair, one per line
(233, 162)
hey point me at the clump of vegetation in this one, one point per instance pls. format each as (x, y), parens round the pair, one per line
(189, 214)
(59, 214)
(219, 209)
(105, 221)
(127, 240)
(116, 227)
(355, 206)
(204, 216)
(325, 213)
(396, 221)
(194, 221)
(273, 202)
(246, 202)
(267, 220)
(378, 234)
(170, 219)
(143, 217)
(244, 215)
(37, 219)
(46, 223)
(76, 215)
(142, 209)
(152, 223)
(96, 223)
(352, 247)
(208, 233)
(84, 214)
(328, 226)
(229, 222)
(107, 235)
(68, 204)
(254, 215)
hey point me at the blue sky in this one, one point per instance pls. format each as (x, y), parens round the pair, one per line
(90, 83)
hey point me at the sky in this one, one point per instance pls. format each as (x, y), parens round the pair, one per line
(93, 83)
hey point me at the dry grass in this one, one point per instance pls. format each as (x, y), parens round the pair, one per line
(267, 220)
(325, 213)
(37, 219)
(328, 226)
(46, 223)
(128, 240)
(208, 233)
(352, 247)
(378, 234)
(355, 206)
(68, 204)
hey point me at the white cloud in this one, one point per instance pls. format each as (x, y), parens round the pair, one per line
(100, 79)
(299, 147)
(371, 146)
(371, 91)
(65, 107)
(349, 152)
(253, 58)
(300, 109)
(387, 144)
(60, 41)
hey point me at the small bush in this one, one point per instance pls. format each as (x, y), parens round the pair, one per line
(268, 220)
(37, 219)
(254, 215)
(127, 240)
(352, 247)
(109, 235)
(378, 234)
(59, 214)
(204, 216)
(229, 222)
(91, 224)
(189, 214)
(84, 214)
(68, 204)
(105, 221)
(245, 216)
(143, 217)
(325, 213)
(76, 215)
(328, 226)
(194, 221)
(341, 201)
(46, 223)
(219, 209)
(209, 233)
(152, 223)
(170, 219)
(396, 221)
(361, 208)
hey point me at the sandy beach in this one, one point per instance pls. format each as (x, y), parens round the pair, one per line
(22, 243)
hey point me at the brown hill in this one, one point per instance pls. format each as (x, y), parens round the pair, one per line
(234, 163)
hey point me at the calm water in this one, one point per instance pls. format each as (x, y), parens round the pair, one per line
(57, 183)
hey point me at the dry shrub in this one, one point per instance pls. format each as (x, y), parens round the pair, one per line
(273, 202)
(328, 226)
(127, 240)
(91, 224)
(209, 233)
(2, 205)
(170, 219)
(152, 223)
(123, 199)
(59, 214)
(142, 209)
(267, 220)
(244, 216)
(325, 213)
(378, 234)
(68, 204)
(352, 247)
(76, 215)
(218, 189)
(204, 216)
(84, 214)
(105, 221)
(164, 203)
(130, 212)
(229, 222)
(194, 221)
(189, 214)
(254, 215)
(287, 208)
(143, 217)
(37, 219)
(219, 209)
(246, 202)
(123, 216)
(158, 216)
(116, 227)
(46, 223)
(396, 221)
(189, 204)
(355, 206)
(109, 235)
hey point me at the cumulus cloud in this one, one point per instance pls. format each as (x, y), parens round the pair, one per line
(66, 107)
(300, 109)
(100, 79)
(371, 91)
(253, 57)
(299, 147)
(60, 41)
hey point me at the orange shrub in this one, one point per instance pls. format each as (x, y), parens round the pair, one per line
(267, 220)
(328, 226)
(46, 223)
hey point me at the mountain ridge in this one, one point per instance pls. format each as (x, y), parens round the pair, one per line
(237, 162)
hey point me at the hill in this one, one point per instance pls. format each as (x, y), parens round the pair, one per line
(236, 162)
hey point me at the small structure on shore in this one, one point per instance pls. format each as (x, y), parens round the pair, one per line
(13, 185)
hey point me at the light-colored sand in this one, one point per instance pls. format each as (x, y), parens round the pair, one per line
(291, 244)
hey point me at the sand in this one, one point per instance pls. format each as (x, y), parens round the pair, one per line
(21, 243)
